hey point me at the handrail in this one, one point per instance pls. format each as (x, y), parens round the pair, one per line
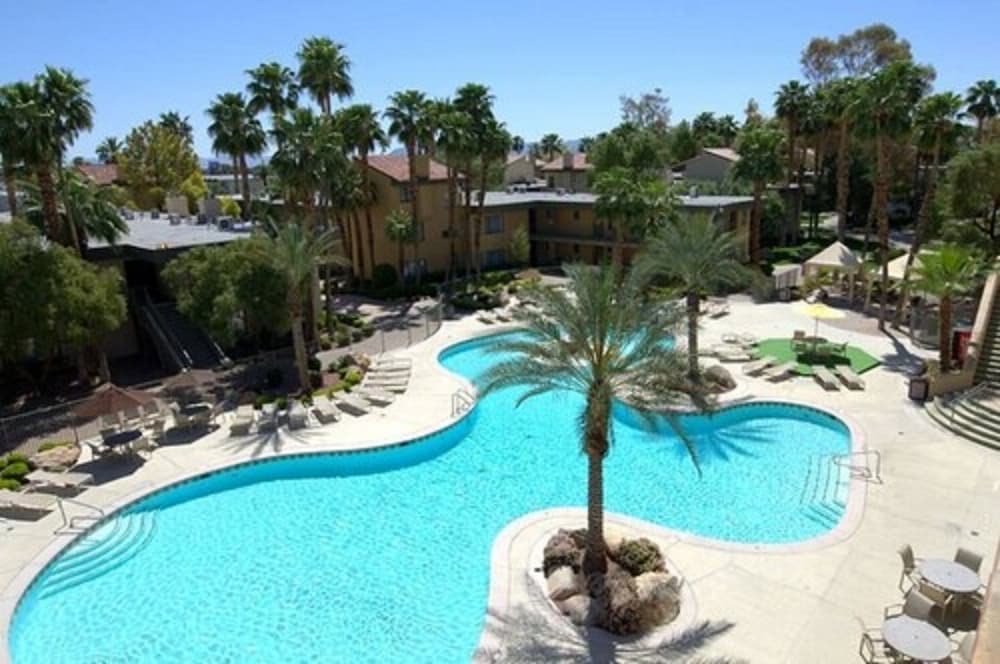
(70, 523)
(964, 396)
(177, 348)
(461, 401)
(865, 471)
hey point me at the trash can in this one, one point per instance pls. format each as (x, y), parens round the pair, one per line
(919, 387)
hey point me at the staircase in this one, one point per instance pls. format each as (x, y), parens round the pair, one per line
(199, 351)
(106, 548)
(825, 491)
(988, 370)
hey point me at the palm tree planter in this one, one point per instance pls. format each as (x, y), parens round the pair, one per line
(605, 340)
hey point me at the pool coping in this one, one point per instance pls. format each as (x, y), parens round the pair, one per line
(14, 592)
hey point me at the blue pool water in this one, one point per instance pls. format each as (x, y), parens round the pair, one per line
(384, 556)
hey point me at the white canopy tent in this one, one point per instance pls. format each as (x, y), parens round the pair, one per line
(838, 257)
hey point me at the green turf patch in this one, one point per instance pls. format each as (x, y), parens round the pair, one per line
(781, 349)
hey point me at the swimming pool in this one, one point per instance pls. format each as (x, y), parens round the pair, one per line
(384, 556)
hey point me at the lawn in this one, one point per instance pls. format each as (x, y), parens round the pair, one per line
(859, 360)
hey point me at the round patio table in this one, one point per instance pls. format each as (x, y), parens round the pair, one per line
(950, 576)
(916, 639)
(122, 438)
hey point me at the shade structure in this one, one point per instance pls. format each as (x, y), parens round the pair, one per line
(819, 311)
(838, 256)
(112, 399)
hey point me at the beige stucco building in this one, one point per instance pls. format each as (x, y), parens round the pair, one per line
(713, 165)
(569, 172)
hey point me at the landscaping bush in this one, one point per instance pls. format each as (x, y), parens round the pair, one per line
(274, 377)
(10, 485)
(367, 329)
(15, 471)
(315, 379)
(262, 401)
(343, 339)
(357, 335)
(281, 403)
(353, 377)
(639, 556)
(313, 364)
(325, 343)
(354, 320)
(384, 276)
(52, 444)
(346, 361)
(17, 457)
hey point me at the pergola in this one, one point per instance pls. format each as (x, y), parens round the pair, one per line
(839, 258)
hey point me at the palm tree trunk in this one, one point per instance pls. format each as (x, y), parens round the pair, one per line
(843, 178)
(755, 211)
(452, 257)
(299, 344)
(693, 304)
(919, 235)
(358, 247)
(103, 370)
(944, 333)
(328, 297)
(595, 556)
(882, 214)
(479, 217)
(400, 259)
(50, 205)
(617, 245)
(236, 173)
(245, 176)
(411, 151)
(366, 183)
(11, 185)
(792, 137)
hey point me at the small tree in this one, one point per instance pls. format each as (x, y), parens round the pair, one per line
(400, 229)
(947, 273)
(760, 162)
(520, 247)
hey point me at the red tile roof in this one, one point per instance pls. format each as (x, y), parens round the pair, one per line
(397, 167)
(100, 173)
(580, 163)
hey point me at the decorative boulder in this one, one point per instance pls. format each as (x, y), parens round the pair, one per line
(720, 376)
(563, 583)
(639, 556)
(581, 609)
(623, 615)
(57, 458)
(612, 540)
(658, 598)
(564, 549)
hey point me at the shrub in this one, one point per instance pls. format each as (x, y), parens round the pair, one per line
(52, 444)
(3, 462)
(639, 556)
(333, 367)
(353, 377)
(313, 364)
(9, 485)
(325, 343)
(15, 471)
(343, 339)
(346, 361)
(315, 379)
(281, 403)
(354, 320)
(17, 457)
(367, 329)
(357, 335)
(274, 377)
(262, 401)
(383, 276)
(306, 399)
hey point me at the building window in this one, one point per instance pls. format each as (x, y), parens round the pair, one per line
(412, 268)
(494, 258)
(405, 194)
(494, 224)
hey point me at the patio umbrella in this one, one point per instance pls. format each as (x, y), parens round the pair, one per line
(111, 399)
(819, 311)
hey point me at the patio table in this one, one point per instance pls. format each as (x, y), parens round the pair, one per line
(197, 413)
(122, 439)
(916, 639)
(950, 576)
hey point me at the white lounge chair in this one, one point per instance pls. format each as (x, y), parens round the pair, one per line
(353, 405)
(49, 482)
(779, 373)
(391, 364)
(826, 379)
(486, 318)
(502, 316)
(850, 379)
(376, 397)
(298, 418)
(757, 367)
(727, 353)
(325, 411)
(242, 421)
(26, 505)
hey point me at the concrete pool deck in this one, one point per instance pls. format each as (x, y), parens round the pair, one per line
(803, 604)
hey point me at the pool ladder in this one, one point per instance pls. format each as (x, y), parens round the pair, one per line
(79, 522)
(823, 476)
(462, 401)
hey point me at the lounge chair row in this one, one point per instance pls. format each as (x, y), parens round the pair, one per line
(829, 378)
(45, 489)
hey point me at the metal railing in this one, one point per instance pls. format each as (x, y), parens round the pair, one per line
(160, 329)
(962, 397)
(864, 469)
(69, 524)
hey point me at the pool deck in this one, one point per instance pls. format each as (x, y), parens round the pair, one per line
(805, 602)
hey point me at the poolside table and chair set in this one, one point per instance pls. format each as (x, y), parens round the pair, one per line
(938, 594)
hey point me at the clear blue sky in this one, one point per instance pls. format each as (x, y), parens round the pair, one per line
(553, 66)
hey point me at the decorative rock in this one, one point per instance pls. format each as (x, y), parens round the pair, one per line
(563, 583)
(612, 540)
(581, 609)
(564, 548)
(658, 598)
(721, 376)
(57, 458)
(622, 601)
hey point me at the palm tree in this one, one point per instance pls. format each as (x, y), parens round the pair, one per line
(272, 88)
(493, 144)
(407, 113)
(790, 104)
(839, 103)
(550, 146)
(604, 339)
(983, 102)
(83, 205)
(887, 101)
(295, 254)
(108, 150)
(399, 228)
(236, 131)
(10, 140)
(760, 162)
(937, 124)
(631, 203)
(179, 124)
(363, 134)
(703, 125)
(453, 139)
(727, 128)
(585, 144)
(949, 272)
(517, 144)
(700, 260)
(324, 71)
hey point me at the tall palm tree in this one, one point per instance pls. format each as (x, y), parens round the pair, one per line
(108, 150)
(325, 71)
(363, 134)
(603, 339)
(703, 125)
(727, 128)
(551, 145)
(179, 124)
(631, 203)
(11, 140)
(947, 273)
(983, 102)
(760, 162)
(399, 229)
(407, 113)
(790, 104)
(272, 88)
(887, 102)
(517, 144)
(699, 259)
(937, 124)
(454, 140)
(493, 144)
(295, 254)
(839, 103)
(83, 205)
(236, 131)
